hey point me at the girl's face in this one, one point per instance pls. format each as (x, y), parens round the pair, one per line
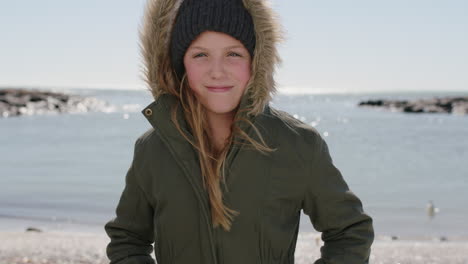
(218, 69)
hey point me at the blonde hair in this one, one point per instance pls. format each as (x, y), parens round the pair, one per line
(212, 161)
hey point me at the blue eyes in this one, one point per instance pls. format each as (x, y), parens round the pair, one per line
(234, 54)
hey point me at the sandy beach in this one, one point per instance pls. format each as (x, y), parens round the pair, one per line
(83, 248)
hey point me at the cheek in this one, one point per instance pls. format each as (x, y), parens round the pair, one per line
(194, 74)
(242, 71)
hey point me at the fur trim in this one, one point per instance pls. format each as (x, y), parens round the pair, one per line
(154, 45)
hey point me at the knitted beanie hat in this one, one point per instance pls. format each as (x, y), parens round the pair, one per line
(196, 16)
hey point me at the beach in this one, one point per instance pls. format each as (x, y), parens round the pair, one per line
(86, 248)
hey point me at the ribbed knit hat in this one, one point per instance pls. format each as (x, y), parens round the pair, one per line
(196, 16)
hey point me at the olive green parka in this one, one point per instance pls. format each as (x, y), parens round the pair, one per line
(164, 201)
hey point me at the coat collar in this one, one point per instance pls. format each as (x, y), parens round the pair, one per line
(158, 115)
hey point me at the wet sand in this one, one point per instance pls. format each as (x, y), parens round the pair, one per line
(83, 248)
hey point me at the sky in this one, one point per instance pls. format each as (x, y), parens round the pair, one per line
(330, 46)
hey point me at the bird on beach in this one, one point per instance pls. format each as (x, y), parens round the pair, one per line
(431, 210)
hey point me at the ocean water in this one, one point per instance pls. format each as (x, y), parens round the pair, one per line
(66, 172)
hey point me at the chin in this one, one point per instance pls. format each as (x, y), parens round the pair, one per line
(221, 109)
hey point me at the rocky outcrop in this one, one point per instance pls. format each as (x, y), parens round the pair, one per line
(455, 105)
(16, 102)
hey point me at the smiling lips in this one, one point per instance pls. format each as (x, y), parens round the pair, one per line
(219, 89)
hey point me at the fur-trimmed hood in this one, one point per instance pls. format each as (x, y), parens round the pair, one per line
(155, 40)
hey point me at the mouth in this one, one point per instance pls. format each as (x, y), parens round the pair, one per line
(219, 88)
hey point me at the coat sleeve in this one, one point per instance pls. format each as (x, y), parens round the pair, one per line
(131, 231)
(334, 210)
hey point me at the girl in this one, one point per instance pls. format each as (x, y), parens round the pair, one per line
(222, 177)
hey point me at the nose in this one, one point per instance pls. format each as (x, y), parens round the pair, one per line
(217, 70)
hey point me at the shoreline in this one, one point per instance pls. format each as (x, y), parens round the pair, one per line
(21, 225)
(86, 248)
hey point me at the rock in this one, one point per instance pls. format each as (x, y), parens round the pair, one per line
(443, 238)
(16, 102)
(372, 102)
(460, 108)
(33, 229)
(455, 105)
(4, 109)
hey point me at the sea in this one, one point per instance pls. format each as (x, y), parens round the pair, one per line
(65, 172)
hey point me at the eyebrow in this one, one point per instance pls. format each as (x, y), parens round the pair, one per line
(229, 47)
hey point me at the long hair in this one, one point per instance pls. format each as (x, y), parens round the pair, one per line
(211, 160)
